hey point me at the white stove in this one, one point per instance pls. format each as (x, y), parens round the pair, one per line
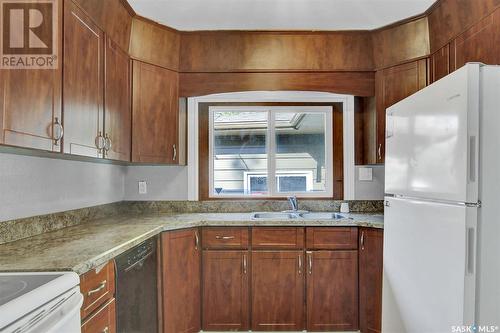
(40, 302)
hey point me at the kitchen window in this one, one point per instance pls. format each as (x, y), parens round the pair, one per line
(270, 151)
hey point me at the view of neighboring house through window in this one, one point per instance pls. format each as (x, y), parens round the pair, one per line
(270, 151)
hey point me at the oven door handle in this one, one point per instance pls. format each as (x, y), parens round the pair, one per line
(139, 262)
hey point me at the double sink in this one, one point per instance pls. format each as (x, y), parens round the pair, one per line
(298, 216)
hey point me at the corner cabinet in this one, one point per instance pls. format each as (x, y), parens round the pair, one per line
(155, 110)
(181, 279)
(371, 243)
(83, 93)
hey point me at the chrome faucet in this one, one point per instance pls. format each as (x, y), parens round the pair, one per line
(293, 203)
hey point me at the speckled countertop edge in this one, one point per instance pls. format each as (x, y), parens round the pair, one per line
(87, 246)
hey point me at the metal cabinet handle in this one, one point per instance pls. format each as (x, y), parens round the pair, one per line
(362, 240)
(99, 142)
(310, 262)
(58, 131)
(101, 286)
(175, 152)
(244, 264)
(300, 264)
(380, 152)
(105, 330)
(224, 237)
(196, 240)
(107, 143)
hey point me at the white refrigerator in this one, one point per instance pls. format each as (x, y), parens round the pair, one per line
(442, 207)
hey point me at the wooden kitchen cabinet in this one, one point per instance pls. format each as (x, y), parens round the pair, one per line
(332, 290)
(103, 320)
(371, 243)
(30, 105)
(181, 279)
(97, 287)
(440, 63)
(392, 85)
(155, 113)
(277, 238)
(225, 290)
(83, 100)
(277, 290)
(118, 111)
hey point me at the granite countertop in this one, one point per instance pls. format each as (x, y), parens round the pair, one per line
(83, 247)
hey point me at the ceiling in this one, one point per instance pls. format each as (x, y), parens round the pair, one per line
(190, 15)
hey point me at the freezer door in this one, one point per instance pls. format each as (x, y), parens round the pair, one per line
(429, 266)
(432, 140)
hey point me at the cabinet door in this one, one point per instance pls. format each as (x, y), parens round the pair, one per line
(225, 290)
(30, 105)
(370, 280)
(118, 112)
(277, 291)
(392, 85)
(181, 281)
(479, 43)
(82, 83)
(440, 63)
(155, 114)
(103, 320)
(332, 291)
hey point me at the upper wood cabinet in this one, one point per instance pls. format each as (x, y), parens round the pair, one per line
(118, 112)
(440, 63)
(478, 44)
(392, 85)
(277, 290)
(181, 256)
(30, 105)
(225, 290)
(155, 126)
(83, 100)
(332, 291)
(371, 243)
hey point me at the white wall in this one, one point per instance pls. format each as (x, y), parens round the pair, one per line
(370, 190)
(163, 182)
(35, 185)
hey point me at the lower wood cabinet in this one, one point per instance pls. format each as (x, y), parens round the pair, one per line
(180, 256)
(101, 321)
(332, 290)
(225, 291)
(277, 290)
(371, 243)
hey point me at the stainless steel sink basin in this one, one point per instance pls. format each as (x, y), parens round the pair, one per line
(322, 216)
(274, 216)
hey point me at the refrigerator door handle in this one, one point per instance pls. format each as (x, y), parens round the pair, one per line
(471, 250)
(472, 158)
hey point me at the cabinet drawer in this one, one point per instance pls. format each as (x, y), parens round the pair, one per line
(332, 238)
(103, 320)
(97, 287)
(225, 238)
(277, 238)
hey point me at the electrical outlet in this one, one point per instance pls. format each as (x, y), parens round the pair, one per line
(365, 174)
(143, 187)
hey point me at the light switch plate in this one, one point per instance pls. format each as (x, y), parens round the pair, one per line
(365, 174)
(143, 187)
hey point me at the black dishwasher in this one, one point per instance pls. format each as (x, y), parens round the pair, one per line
(136, 289)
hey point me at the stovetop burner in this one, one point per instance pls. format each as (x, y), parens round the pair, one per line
(13, 286)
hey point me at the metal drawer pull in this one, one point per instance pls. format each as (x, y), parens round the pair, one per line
(362, 240)
(244, 264)
(102, 285)
(105, 330)
(224, 237)
(300, 265)
(175, 152)
(380, 151)
(196, 240)
(310, 260)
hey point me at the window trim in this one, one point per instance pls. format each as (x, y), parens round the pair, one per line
(271, 148)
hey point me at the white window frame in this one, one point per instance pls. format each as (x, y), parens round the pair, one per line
(271, 148)
(308, 174)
